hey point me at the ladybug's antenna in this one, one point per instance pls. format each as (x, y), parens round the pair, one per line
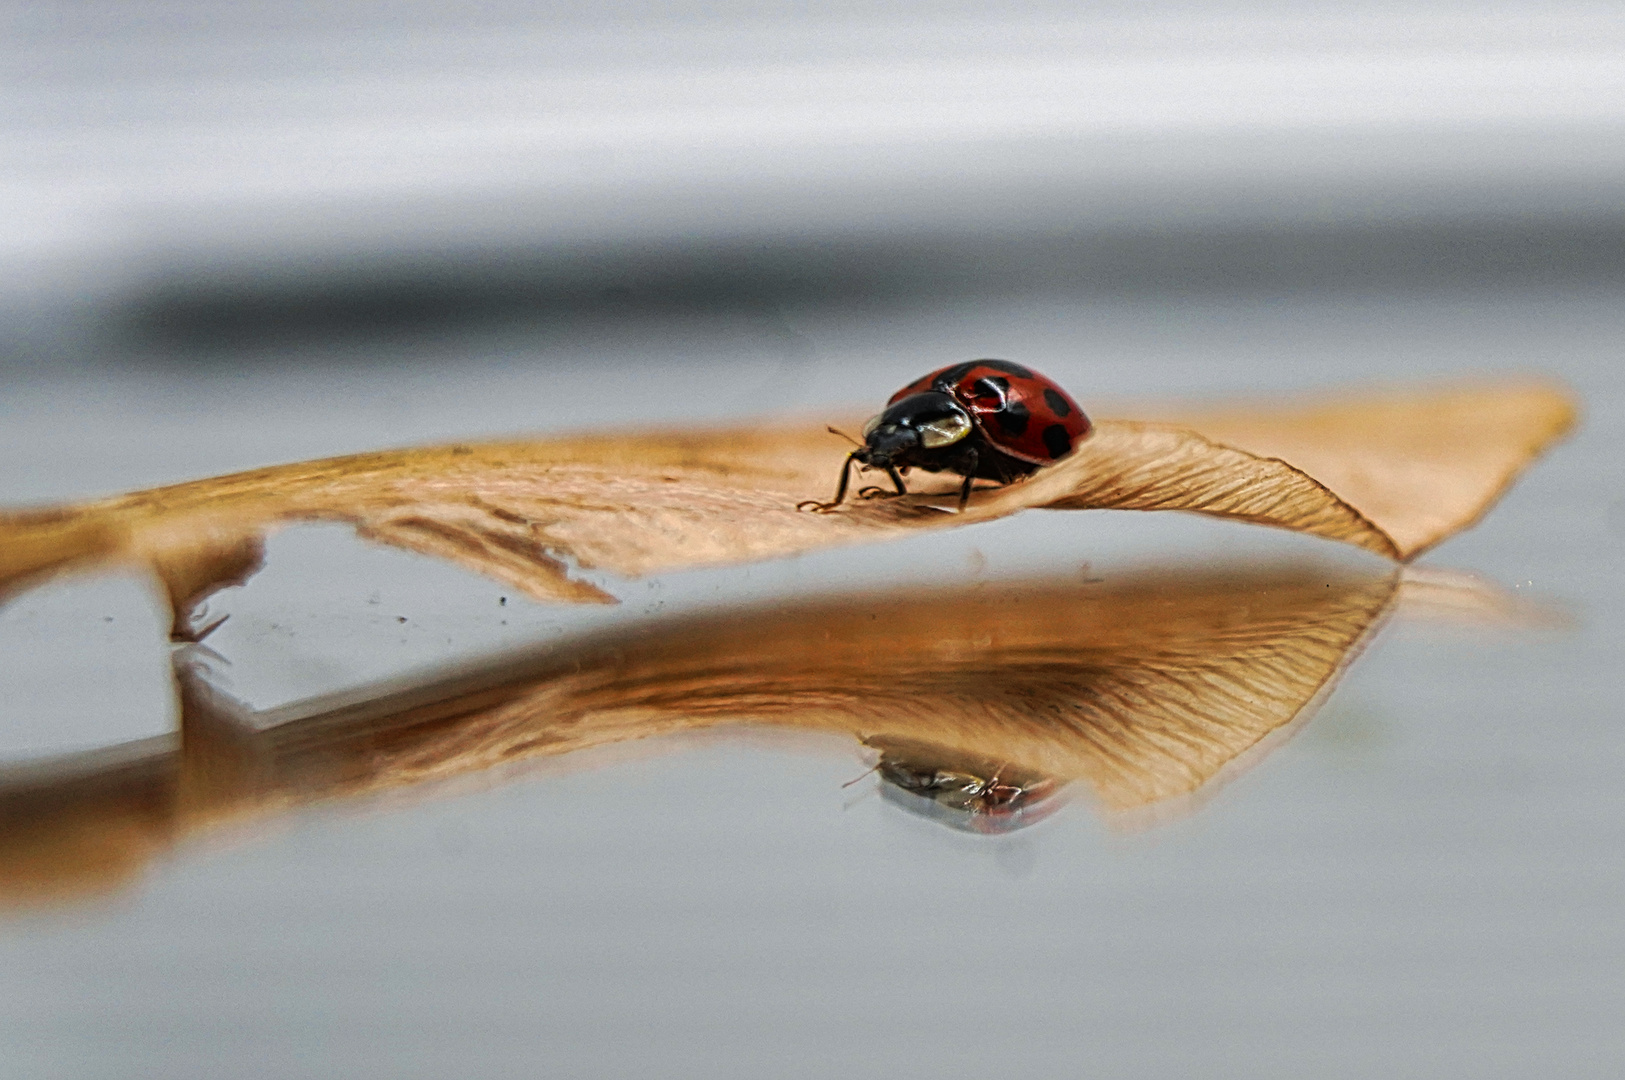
(849, 439)
(860, 776)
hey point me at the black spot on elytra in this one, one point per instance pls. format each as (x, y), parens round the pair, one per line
(1012, 419)
(1057, 404)
(1057, 441)
(1008, 368)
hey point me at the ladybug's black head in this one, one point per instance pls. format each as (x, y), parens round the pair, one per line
(925, 421)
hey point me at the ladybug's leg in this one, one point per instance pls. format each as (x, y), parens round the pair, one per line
(971, 460)
(840, 490)
(881, 493)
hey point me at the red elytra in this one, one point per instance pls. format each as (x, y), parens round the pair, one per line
(1025, 414)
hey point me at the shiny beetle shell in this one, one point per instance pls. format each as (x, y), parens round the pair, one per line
(1022, 413)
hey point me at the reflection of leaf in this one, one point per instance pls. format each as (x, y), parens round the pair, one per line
(1393, 473)
(1145, 687)
(86, 825)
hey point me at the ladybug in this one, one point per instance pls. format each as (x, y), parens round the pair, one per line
(984, 418)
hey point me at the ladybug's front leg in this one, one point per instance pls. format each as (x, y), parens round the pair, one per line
(840, 491)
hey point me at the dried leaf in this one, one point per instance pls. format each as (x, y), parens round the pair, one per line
(1393, 473)
(1420, 464)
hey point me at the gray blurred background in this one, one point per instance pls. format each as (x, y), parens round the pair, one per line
(239, 234)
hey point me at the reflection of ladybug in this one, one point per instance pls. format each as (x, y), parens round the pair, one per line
(960, 791)
(984, 418)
